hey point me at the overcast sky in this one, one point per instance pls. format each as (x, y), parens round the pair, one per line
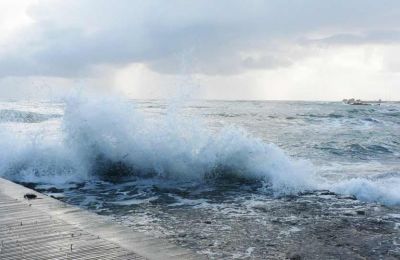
(224, 49)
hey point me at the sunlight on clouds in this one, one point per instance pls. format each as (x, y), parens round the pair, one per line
(138, 81)
(333, 74)
(257, 50)
(13, 16)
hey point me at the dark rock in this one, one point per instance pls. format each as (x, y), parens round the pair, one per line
(30, 196)
(360, 212)
(349, 213)
(207, 222)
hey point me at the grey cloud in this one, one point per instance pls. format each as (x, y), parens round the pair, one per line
(377, 37)
(70, 37)
(266, 62)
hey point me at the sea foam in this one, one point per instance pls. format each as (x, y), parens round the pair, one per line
(110, 138)
(385, 191)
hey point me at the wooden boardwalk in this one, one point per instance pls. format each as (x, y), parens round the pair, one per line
(45, 228)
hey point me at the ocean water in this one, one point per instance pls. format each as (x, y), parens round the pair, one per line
(228, 179)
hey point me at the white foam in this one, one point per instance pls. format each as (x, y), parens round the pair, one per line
(385, 191)
(134, 201)
(176, 147)
(27, 159)
(172, 147)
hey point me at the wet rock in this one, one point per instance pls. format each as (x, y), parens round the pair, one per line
(342, 245)
(360, 212)
(30, 196)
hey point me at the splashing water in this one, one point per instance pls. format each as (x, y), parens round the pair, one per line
(110, 138)
(165, 169)
(114, 139)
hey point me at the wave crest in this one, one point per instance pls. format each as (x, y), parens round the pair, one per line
(111, 139)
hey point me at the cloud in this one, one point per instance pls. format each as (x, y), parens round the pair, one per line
(369, 37)
(71, 38)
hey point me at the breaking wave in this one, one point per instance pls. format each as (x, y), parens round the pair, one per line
(110, 139)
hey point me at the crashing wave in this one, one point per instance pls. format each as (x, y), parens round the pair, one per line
(111, 139)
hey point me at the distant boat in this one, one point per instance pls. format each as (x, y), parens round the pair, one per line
(359, 102)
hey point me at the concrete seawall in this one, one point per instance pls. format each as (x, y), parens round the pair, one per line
(45, 228)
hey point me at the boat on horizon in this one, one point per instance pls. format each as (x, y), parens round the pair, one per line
(359, 102)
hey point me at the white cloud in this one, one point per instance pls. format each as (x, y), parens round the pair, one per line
(226, 40)
(13, 16)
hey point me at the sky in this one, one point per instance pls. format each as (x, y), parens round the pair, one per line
(225, 49)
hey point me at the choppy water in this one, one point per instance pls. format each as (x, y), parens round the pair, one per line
(238, 179)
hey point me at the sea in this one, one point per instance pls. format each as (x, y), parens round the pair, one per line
(226, 179)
